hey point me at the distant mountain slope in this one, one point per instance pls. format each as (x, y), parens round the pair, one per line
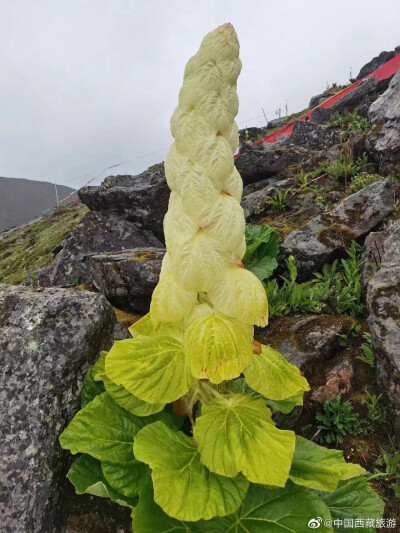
(23, 200)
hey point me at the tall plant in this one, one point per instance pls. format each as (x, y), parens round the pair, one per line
(175, 422)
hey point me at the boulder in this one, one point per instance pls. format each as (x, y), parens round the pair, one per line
(305, 341)
(141, 199)
(383, 300)
(325, 237)
(266, 160)
(386, 110)
(99, 232)
(48, 340)
(276, 122)
(127, 279)
(374, 251)
(312, 136)
(319, 98)
(255, 204)
(252, 134)
(375, 63)
(338, 380)
(358, 99)
(309, 342)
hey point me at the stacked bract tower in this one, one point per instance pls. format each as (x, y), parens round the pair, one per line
(203, 282)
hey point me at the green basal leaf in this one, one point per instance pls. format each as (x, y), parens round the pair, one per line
(103, 430)
(152, 368)
(272, 376)
(148, 517)
(183, 487)
(122, 396)
(217, 347)
(354, 498)
(130, 402)
(236, 434)
(286, 406)
(267, 510)
(240, 386)
(126, 478)
(143, 326)
(320, 468)
(87, 477)
(98, 371)
(261, 250)
(262, 267)
(90, 389)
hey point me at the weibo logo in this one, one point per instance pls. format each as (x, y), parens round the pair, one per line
(315, 523)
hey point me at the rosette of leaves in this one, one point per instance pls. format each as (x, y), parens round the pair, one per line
(169, 425)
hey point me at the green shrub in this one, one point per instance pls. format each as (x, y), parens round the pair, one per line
(336, 289)
(338, 420)
(351, 122)
(363, 180)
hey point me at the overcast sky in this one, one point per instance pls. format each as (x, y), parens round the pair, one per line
(86, 84)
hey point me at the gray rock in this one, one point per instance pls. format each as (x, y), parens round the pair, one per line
(280, 121)
(375, 245)
(255, 203)
(338, 380)
(386, 110)
(326, 236)
(375, 63)
(312, 136)
(321, 115)
(305, 341)
(141, 199)
(383, 300)
(48, 340)
(128, 278)
(359, 99)
(266, 160)
(387, 106)
(319, 98)
(252, 134)
(98, 232)
(40, 277)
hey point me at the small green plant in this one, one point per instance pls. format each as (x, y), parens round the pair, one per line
(302, 178)
(337, 420)
(376, 410)
(337, 289)
(338, 286)
(367, 356)
(351, 122)
(290, 296)
(261, 250)
(278, 202)
(362, 180)
(352, 332)
(388, 465)
(342, 168)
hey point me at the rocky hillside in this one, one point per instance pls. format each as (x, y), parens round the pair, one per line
(23, 200)
(331, 191)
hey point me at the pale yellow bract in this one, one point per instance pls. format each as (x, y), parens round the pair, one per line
(204, 227)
